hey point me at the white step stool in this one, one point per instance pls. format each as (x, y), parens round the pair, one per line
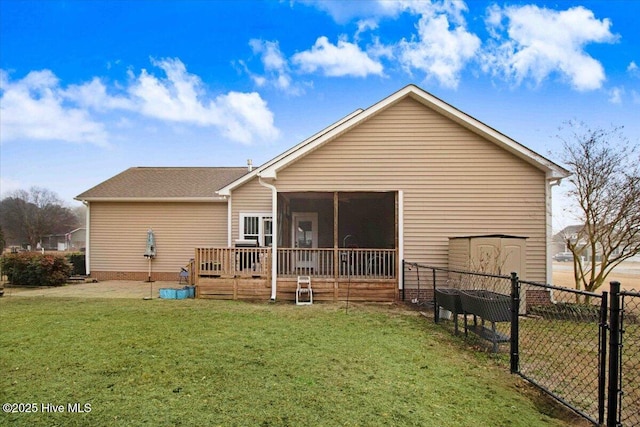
(304, 287)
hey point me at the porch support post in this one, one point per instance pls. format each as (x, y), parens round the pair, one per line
(229, 220)
(400, 243)
(336, 255)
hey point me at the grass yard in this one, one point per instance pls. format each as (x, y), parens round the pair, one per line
(207, 363)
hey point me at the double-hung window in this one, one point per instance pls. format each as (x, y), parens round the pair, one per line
(257, 226)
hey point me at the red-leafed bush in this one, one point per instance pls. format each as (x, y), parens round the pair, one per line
(34, 269)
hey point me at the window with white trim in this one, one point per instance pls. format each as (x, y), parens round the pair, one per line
(257, 226)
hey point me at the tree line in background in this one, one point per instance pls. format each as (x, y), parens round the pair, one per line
(28, 216)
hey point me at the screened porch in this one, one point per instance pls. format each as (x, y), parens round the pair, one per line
(320, 234)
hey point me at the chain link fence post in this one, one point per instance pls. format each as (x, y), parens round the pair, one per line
(614, 355)
(602, 350)
(515, 322)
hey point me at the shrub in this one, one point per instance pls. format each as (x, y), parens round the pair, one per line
(33, 269)
(78, 263)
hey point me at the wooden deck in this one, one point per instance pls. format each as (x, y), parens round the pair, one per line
(336, 274)
(326, 290)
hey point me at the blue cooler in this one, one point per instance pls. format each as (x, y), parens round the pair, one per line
(182, 293)
(168, 293)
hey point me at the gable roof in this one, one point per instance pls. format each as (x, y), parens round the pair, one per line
(271, 168)
(164, 183)
(225, 191)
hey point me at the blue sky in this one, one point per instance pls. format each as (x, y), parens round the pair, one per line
(90, 88)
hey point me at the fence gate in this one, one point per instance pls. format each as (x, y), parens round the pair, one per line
(627, 386)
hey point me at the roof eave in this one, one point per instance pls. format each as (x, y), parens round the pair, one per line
(153, 199)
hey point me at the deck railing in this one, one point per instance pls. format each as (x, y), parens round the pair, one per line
(341, 263)
(233, 262)
(292, 262)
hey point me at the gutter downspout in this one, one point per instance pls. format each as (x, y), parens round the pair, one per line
(87, 249)
(551, 182)
(274, 240)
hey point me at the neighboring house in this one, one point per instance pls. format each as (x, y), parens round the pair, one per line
(71, 241)
(52, 242)
(559, 241)
(571, 234)
(76, 239)
(390, 183)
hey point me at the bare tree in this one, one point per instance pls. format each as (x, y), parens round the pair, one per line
(606, 187)
(27, 216)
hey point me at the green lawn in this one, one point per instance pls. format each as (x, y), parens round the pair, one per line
(200, 362)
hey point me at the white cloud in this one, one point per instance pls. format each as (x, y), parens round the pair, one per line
(175, 98)
(439, 52)
(633, 69)
(94, 95)
(615, 95)
(246, 116)
(343, 59)
(276, 68)
(539, 42)
(363, 26)
(181, 97)
(34, 108)
(38, 108)
(441, 48)
(344, 11)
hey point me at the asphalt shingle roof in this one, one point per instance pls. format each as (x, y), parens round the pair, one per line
(165, 182)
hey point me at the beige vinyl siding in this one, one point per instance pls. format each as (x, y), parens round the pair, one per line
(249, 198)
(118, 233)
(455, 183)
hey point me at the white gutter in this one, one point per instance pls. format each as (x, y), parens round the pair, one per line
(87, 245)
(219, 199)
(274, 239)
(551, 182)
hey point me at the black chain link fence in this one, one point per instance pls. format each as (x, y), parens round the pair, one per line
(580, 347)
(629, 394)
(561, 345)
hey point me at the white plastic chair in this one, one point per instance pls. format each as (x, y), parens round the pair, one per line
(304, 287)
